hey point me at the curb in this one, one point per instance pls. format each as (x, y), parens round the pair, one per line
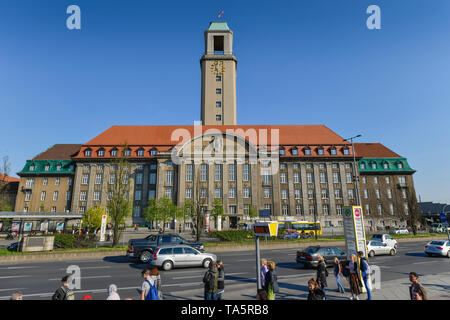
(44, 257)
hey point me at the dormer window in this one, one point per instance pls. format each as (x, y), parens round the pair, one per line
(87, 152)
(333, 151)
(374, 165)
(400, 165)
(32, 167)
(307, 151)
(127, 152)
(346, 151)
(363, 166)
(101, 152)
(154, 152)
(320, 151)
(282, 151)
(294, 151)
(140, 152)
(385, 165)
(47, 167)
(114, 152)
(58, 167)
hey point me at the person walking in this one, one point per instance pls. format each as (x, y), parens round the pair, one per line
(322, 274)
(210, 279)
(353, 278)
(365, 273)
(17, 296)
(263, 272)
(220, 280)
(112, 293)
(148, 288)
(157, 278)
(63, 292)
(416, 291)
(315, 293)
(271, 281)
(337, 275)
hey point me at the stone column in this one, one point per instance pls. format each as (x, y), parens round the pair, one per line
(318, 189)
(290, 177)
(304, 184)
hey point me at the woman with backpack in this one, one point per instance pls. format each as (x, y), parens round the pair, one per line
(322, 274)
(148, 289)
(337, 275)
(271, 281)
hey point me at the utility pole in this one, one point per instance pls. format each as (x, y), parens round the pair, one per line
(358, 196)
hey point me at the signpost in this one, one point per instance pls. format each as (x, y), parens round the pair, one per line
(103, 228)
(262, 229)
(444, 222)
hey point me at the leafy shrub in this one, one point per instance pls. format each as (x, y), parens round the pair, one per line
(70, 241)
(233, 235)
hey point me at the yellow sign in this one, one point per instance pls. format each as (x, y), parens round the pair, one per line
(266, 229)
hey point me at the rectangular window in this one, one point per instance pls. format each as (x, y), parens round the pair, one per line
(82, 209)
(309, 177)
(323, 177)
(68, 194)
(218, 172)
(203, 172)
(246, 172)
(232, 171)
(268, 207)
(322, 166)
(246, 193)
(218, 91)
(283, 166)
(203, 193)
(351, 193)
(388, 180)
(391, 208)
(325, 210)
(137, 211)
(169, 177)
(324, 194)
(85, 179)
(402, 180)
(377, 192)
(218, 78)
(296, 166)
(285, 210)
(298, 194)
(151, 194)
(188, 193)
(296, 177)
(364, 180)
(308, 166)
(232, 192)
(70, 181)
(311, 210)
(55, 196)
(246, 209)
(367, 209)
(189, 172)
(404, 195)
(139, 178)
(337, 193)
(284, 194)
(98, 178)
(112, 178)
(30, 183)
(339, 210)
(298, 210)
(168, 193)
(375, 179)
(83, 196)
(218, 104)
(366, 194)
(335, 166)
(43, 195)
(336, 177)
(380, 209)
(389, 192)
(218, 193)
(266, 193)
(53, 209)
(283, 177)
(218, 117)
(348, 176)
(406, 209)
(266, 177)
(96, 195)
(138, 195)
(45, 182)
(310, 194)
(233, 209)
(152, 179)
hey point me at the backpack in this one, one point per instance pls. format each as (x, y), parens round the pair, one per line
(345, 271)
(208, 279)
(152, 292)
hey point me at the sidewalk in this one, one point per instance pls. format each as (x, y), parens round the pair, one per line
(295, 288)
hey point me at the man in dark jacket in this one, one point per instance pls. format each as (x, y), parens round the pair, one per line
(322, 274)
(211, 282)
(63, 292)
(365, 273)
(220, 280)
(416, 291)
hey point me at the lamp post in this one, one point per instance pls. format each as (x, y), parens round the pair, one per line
(446, 223)
(358, 196)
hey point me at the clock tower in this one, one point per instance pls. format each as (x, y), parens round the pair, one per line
(218, 66)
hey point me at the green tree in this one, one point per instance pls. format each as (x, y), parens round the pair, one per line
(92, 218)
(162, 210)
(118, 204)
(252, 212)
(217, 210)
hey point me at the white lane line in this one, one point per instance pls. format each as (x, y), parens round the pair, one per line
(82, 278)
(86, 268)
(11, 277)
(245, 260)
(227, 274)
(12, 289)
(423, 262)
(13, 268)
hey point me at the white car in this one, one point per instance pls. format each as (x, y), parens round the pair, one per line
(401, 231)
(385, 238)
(438, 247)
(375, 248)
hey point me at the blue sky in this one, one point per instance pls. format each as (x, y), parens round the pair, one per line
(299, 62)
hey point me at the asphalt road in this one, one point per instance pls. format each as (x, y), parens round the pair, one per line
(40, 280)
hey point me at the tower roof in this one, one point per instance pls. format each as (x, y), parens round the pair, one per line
(218, 26)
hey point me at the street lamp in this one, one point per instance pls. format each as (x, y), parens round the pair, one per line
(446, 224)
(358, 196)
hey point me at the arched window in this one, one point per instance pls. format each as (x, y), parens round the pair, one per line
(32, 167)
(114, 152)
(400, 165)
(294, 151)
(307, 151)
(385, 165)
(363, 166)
(320, 151)
(87, 152)
(333, 151)
(346, 151)
(127, 152)
(140, 152)
(374, 165)
(47, 167)
(154, 152)
(58, 167)
(101, 152)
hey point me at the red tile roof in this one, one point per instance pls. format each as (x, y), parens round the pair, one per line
(59, 152)
(374, 150)
(4, 178)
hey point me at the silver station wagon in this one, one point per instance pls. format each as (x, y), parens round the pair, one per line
(168, 257)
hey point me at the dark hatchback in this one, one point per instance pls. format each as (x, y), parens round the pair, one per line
(309, 257)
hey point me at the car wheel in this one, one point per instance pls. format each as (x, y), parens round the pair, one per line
(167, 265)
(371, 254)
(392, 252)
(206, 263)
(428, 254)
(448, 254)
(396, 245)
(145, 256)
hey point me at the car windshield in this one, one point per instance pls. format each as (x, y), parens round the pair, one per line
(377, 236)
(434, 225)
(312, 250)
(438, 243)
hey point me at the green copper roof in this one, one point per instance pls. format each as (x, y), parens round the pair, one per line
(367, 165)
(48, 167)
(218, 26)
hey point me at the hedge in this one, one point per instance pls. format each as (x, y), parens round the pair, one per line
(233, 235)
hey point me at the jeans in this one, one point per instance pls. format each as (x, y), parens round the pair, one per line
(339, 284)
(219, 294)
(211, 296)
(366, 283)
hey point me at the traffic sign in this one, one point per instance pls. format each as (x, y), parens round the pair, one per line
(264, 213)
(443, 217)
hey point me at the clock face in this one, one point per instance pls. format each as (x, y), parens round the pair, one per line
(218, 68)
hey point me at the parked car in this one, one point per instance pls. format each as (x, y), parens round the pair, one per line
(144, 248)
(438, 228)
(375, 248)
(173, 256)
(309, 256)
(290, 234)
(438, 247)
(401, 231)
(13, 246)
(385, 238)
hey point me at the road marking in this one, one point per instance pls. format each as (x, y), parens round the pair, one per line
(425, 262)
(10, 277)
(228, 274)
(85, 268)
(245, 260)
(83, 278)
(12, 289)
(12, 268)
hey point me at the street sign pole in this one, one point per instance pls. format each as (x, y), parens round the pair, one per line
(258, 274)
(444, 220)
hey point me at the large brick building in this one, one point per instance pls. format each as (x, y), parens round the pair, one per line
(298, 172)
